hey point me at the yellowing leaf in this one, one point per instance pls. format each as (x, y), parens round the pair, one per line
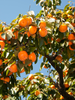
(0, 27)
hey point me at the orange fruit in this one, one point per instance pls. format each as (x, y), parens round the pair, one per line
(28, 34)
(42, 24)
(22, 70)
(2, 44)
(63, 28)
(32, 57)
(29, 20)
(7, 79)
(21, 87)
(45, 67)
(65, 73)
(0, 62)
(23, 22)
(23, 55)
(32, 29)
(71, 48)
(16, 35)
(61, 97)
(31, 76)
(59, 58)
(70, 43)
(1, 36)
(13, 68)
(29, 64)
(58, 40)
(49, 15)
(37, 92)
(52, 86)
(42, 32)
(66, 85)
(70, 93)
(5, 96)
(70, 16)
(71, 37)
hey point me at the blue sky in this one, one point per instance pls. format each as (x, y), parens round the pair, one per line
(10, 9)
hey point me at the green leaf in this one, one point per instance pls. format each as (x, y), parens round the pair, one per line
(27, 61)
(41, 42)
(65, 8)
(41, 66)
(7, 72)
(38, 73)
(39, 14)
(37, 1)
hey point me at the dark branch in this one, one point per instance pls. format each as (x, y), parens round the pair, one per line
(60, 86)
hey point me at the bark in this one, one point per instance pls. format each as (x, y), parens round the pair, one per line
(60, 86)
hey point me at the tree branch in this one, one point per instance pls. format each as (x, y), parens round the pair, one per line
(61, 87)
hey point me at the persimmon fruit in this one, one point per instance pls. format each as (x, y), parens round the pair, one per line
(23, 55)
(42, 32)
(32, 57)
(32, 29)
(63, 28)
(37, 92)
(2, 44)
(42, 24)
(23, 22)
(0, 62)
(13, 68)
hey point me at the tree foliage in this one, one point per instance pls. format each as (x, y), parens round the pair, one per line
(51, 35)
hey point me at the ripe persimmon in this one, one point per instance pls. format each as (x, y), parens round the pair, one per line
(45, 67)
(13, 68)
(23, 22)
(58, 40)
(37, 92)
(71, 48)
(70, 93)
(49, 15)
(29, 20)
(61, 97)
(32, 29)
(15, 35)
(70, 43)
(66, 85)
(1, 36)
(23, 55)
(5, 96)
(22, 70)
(28, 34)
(42, 32)
(63, 28)
(71, 37)
(31, 76)
(59, 58)
(6, 80)
(29, 64)
(0, 62)
(52, 86)
(42, 24)
(2, 44)
(32, 56)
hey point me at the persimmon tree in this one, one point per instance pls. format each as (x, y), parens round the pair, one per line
(50, 35)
